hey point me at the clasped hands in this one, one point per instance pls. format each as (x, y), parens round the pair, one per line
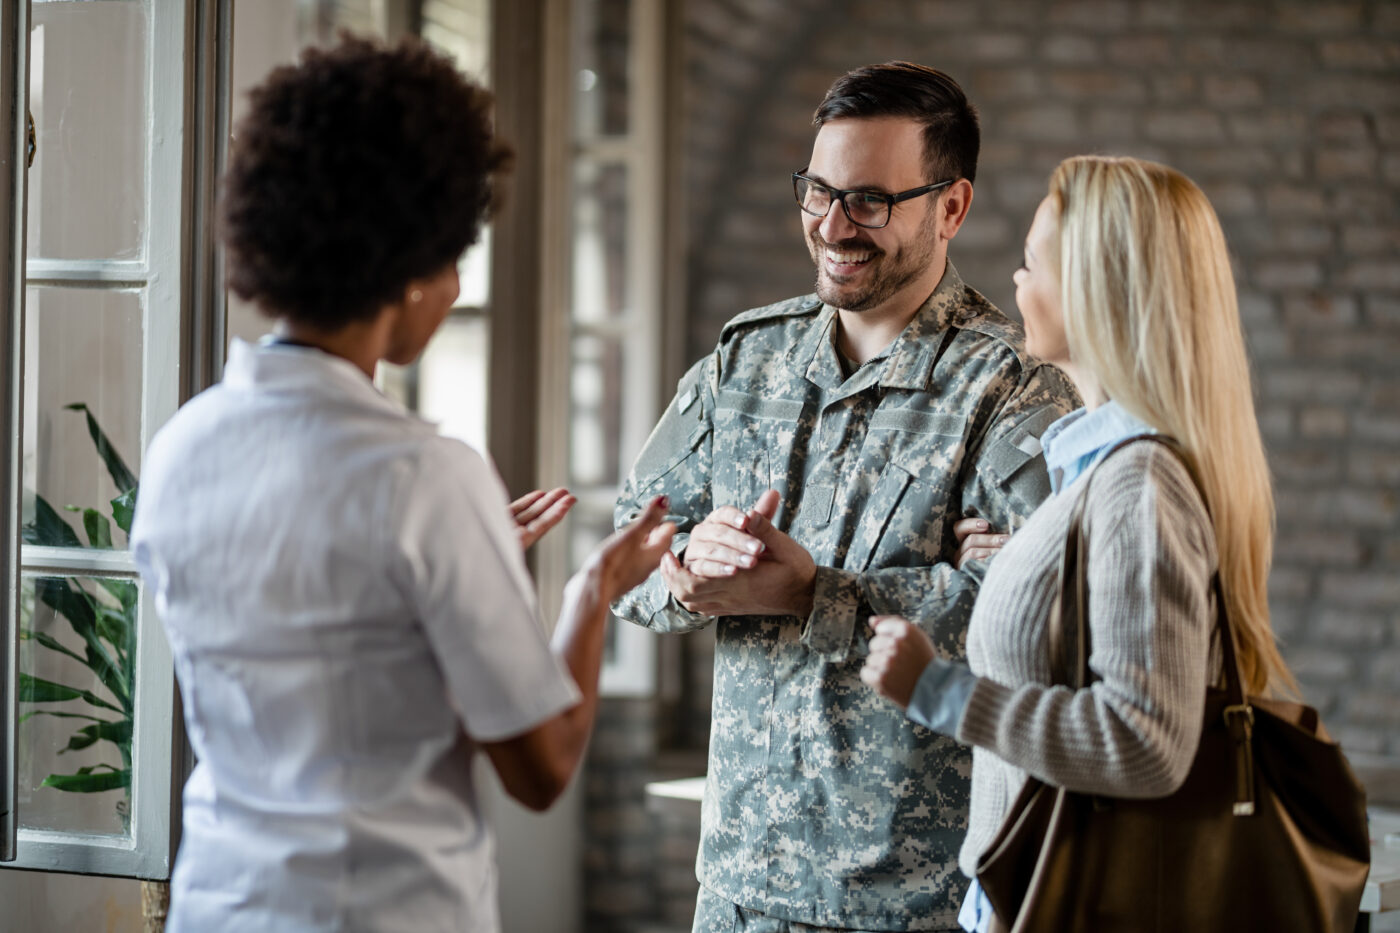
(738, 563)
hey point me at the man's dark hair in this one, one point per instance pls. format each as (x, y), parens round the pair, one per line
(355, 171)
(904, 89)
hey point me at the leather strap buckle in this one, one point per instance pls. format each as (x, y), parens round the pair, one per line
(1243, 710)
(1239, 719)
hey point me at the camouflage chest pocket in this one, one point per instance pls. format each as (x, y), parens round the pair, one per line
(909, 515)
(751, 432)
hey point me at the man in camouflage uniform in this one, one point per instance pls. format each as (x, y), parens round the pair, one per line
(816, 462)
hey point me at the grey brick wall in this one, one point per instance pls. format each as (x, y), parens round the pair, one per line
(1287, 112)
(619, 881)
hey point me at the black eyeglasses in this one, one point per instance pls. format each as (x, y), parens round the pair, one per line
(863, 208)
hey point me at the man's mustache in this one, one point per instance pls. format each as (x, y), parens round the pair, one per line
(853, 243)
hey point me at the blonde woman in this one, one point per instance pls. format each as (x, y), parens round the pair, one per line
(1126, 285)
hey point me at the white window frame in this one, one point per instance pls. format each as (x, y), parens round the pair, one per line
(633, 668)
(181, 313)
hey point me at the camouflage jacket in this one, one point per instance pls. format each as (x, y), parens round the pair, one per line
(823, 804)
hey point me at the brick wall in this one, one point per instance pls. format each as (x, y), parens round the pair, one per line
(619, 881)
(1288, 115)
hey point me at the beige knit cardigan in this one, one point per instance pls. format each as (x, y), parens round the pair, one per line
(1132, 733)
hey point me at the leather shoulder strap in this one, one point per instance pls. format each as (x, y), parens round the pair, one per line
(1068, 633)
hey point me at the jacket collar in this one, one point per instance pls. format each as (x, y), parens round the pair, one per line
(284, 368)
(909, 360)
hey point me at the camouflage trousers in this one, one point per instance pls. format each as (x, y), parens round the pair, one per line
(715, 914)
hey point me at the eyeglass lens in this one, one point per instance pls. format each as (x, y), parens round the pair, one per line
(871, 210)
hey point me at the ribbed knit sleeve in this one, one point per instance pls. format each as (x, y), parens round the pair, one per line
(1133, 732)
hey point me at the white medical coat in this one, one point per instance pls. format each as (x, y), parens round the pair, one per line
(349, 611)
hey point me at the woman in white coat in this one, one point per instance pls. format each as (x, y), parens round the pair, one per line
(343, 589)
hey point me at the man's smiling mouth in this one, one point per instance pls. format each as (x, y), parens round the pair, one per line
(840, 263)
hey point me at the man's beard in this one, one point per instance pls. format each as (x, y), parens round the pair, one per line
(903, 267)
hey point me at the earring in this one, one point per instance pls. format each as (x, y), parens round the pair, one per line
(416, 295)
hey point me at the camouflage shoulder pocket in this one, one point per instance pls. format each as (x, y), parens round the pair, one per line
(682, 428)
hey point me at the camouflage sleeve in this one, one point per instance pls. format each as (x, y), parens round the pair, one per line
(938, 598)
(675, 462)
(1005, 483)
(1009, 480)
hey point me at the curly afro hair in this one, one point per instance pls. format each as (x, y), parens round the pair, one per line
(357, 170)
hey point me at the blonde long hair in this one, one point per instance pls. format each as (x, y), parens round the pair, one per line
(1150, 309)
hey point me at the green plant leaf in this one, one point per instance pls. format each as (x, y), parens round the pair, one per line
(108, 671)
(114, 730)
(78, 741)
(123, 508)
(87, 781)
(48, 528)
(53, 644)
(118, 626)
(58, 714)
(79, 608)
(37, 690)
(63, 598)
(118, 732)
(121, 474)
(112, 626)
(99, 530)
(124, 591)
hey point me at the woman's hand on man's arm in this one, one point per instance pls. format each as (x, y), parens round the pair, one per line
(977, 540)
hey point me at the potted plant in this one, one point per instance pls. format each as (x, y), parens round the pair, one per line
(102, 618)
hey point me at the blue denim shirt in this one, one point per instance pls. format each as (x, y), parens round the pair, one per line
(1081, 438)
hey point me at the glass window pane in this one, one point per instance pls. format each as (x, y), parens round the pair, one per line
(354, 15)
(462, 29)
(318, 21)
(586, 528)
(452, 377)
(596, 381)
(600, 242)
(82, 347)
(77, 664)
(474, 273)
(88, 96)
(602, 42)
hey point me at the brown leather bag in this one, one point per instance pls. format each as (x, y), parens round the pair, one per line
(1268, 833)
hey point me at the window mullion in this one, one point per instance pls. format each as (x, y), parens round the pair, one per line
(87, 272)
(77, 561)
